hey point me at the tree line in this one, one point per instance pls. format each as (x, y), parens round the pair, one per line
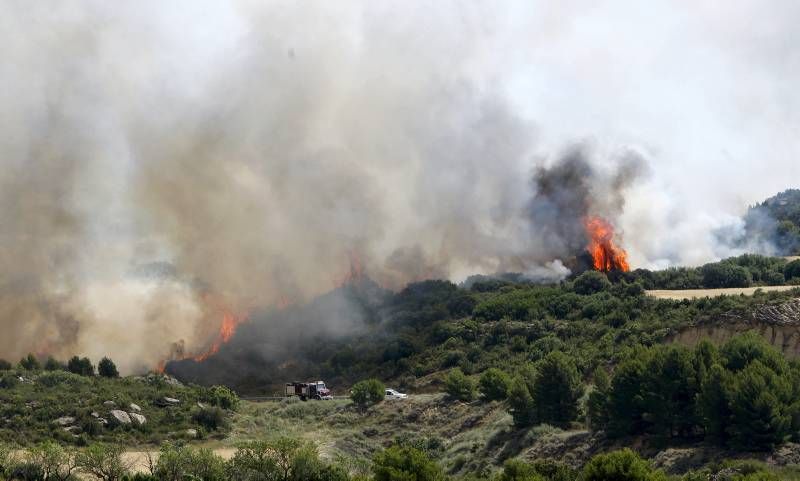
(77, 365)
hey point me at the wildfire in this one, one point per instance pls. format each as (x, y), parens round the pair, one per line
(606, 256)
(355, 274)
(226, 332)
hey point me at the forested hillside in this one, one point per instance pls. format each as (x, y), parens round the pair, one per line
(431, 327)
(776, 223)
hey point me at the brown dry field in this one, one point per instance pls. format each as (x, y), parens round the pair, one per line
(697, 293)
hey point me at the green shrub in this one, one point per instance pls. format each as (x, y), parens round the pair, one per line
(591, 282)
(368, 392)
(4, 365)
(516, 470)
(178, 463)
(459, 386)
(211, 418)
(223, 397)
(103, 461)
(494, 384)
(56, 378)
(8, 381)
(402, 463)
(55, 462)
(623, 465)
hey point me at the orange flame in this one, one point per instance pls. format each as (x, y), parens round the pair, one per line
(606, 256)
(226, 332)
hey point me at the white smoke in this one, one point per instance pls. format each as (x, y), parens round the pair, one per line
(256, 147)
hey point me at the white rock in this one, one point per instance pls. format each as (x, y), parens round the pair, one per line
(135, 407)
(109, 404)
(65, 421)
(119, 417)
(192, 433)
(138, 419)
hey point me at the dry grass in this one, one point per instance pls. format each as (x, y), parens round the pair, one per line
(698, 293)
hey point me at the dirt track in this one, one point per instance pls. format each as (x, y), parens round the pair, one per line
(697, 293)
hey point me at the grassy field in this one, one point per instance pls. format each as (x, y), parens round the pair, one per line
(700, 293)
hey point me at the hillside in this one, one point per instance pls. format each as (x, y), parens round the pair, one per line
(433, 326)
(775, 224)
(38, 405)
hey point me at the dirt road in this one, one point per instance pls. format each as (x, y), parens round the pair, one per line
(697, 293)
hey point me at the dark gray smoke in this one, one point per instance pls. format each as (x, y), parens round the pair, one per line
(573, 188)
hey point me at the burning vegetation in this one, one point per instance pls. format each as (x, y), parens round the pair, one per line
(606, 255)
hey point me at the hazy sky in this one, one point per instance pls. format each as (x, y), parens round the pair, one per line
(257, 147)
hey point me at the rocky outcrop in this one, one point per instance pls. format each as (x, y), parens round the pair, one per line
(779, 324)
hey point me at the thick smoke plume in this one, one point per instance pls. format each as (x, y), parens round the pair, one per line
(164, 164)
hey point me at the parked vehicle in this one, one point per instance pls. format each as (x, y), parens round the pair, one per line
(392, 394)
(309, 390)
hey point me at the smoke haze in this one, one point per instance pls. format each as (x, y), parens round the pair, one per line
(163, 163)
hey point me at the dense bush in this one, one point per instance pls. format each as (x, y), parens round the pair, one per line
(591, 282)
(459, 386)
(624, 465)
(403, 463)
(368, 392)
(4, 365)
(223, 397)
(494, 384)
(211, 418)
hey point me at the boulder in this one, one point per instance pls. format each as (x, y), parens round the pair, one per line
(73, 429)
(191, 433)
(119, 417)
(65, 421)
(167, 401)
(138, 419)
(135, 407)
(102, 421)
(95, 414)
(109, 404)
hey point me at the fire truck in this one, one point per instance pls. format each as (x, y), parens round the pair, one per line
(309, 390)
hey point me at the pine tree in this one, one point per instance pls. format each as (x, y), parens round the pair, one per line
(597, 404)
(556, 390)
(107, 368)
(625, 401)
(714, 403)
(761, 417)
(520, 404)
